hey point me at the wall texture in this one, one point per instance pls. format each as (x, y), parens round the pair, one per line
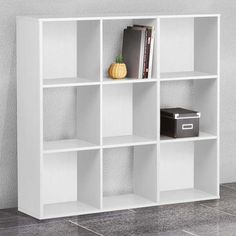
(11, 8)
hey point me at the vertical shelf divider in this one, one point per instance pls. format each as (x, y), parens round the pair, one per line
(101, 114)
(158, 66)
(41, 114)
(218, 105)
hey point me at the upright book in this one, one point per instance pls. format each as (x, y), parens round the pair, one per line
(133, 51)
(148, 54)
(138, 47)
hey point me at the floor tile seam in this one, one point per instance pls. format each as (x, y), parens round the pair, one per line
(86, 228)
(228, 187)
(132, 210)
(214, 208)
(190, 233)
(33, 224)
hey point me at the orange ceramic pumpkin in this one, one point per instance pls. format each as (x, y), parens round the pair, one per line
(118, 70)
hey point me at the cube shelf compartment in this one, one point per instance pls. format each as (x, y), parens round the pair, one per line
(71, 183)
(71, 53)
(129, 114)
(198, 95)
(71, 119)
(113, 38)
(125, 180)
(188, 171)
(87, 143)
(188, 47)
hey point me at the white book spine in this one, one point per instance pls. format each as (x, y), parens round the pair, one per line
(151, 54)
(140, 73)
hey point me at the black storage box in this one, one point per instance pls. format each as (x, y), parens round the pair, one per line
(179, 122)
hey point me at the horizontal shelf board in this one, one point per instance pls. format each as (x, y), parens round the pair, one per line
(92, 17)
(111, 17)
(126, 140)
(68, 82)
(184, 195)
(202, 136)
(188, 15)
(125, 201)
(67, 209)
(187, 75)
(68, 145)
(127, 81)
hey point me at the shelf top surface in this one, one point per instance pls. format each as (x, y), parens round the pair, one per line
(68, 145)
(202, 136)
(110, 17)
(126, 140)
(186, 75)
(67, 82)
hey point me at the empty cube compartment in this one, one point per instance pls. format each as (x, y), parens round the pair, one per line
(188, 47)
(129, 114)
(129, 177)
(71, 118)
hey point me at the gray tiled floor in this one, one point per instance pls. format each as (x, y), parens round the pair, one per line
(217, 217)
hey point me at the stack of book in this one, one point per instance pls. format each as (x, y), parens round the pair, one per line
(137, 50)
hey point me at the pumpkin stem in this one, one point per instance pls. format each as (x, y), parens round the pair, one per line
(119, 59)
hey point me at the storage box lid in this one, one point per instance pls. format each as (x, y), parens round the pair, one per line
(179, 112)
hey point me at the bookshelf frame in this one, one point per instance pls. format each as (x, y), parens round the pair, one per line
(89, 144)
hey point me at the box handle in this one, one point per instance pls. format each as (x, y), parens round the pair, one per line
(187, 126)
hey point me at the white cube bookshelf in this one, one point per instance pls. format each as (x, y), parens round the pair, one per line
(90, 144)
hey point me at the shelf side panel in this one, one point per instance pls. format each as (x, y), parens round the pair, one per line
(145, 110)
(205, 101)
(59, 50)
(205, 166)
(88, 114)
(205, 44)
(88, 49)
(29, 116)
(89, 178)
(145, 172)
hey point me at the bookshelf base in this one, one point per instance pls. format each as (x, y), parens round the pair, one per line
(64, 209)
(125, 201)
(184, 195)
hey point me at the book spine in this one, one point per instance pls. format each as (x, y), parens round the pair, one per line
(141, 58)
(148, 52)
(151, 53)
(145, 54)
